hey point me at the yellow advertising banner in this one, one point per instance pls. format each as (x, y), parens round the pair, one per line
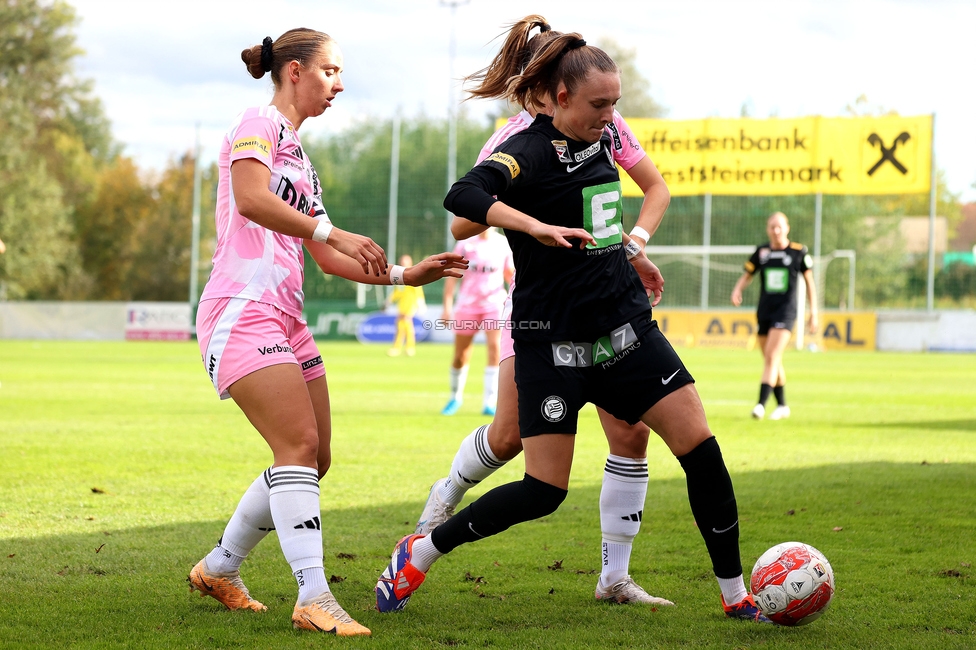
(737, 329)
(832, 155)
(806, 155)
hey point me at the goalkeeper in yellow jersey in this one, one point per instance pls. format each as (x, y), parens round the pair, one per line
(409, 301)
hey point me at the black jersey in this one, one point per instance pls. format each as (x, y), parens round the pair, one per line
(779, 272)
(562, 293)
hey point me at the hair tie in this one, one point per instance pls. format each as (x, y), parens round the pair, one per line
(544, 27)
(266, 54)
(578, 43)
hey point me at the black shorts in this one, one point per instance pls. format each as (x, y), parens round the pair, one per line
(625, 373)
(765, 324)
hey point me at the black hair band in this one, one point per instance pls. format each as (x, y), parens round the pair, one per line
(266, 54)
(578, 43)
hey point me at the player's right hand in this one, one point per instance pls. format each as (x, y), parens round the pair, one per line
(435, 267)
(364, 250)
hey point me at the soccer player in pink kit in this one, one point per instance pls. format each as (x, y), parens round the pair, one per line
(479, 307)
(255, 345)
(489, 447)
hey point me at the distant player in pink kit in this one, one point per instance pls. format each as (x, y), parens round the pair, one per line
(255, 345)
(489, 447)
(479, 307)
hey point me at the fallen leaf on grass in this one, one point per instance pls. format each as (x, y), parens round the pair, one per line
(950, 573)
(791, 511)
(556, 566)
(334, 580)
(11, 555)
(478, 580)
(99, 549)
(345, 556)
(98, 490)
(837, 529)
(552, 590)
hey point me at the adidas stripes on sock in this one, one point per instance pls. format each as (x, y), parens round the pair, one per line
(621, 511)
(459, 377)
(250, 523)
(473, 463)
(294, 498)
(712, 501)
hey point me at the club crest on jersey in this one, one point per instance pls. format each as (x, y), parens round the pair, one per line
(553, 408)
(763, 255)
(562, 150)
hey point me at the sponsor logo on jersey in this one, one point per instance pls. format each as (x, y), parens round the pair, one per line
(277, 347)
(617, 144)
(602, 211)
(311, 363)
(259, 145)
(507, 161)
(554, 408)
(589, 152)
(562, 150)
(585, 355)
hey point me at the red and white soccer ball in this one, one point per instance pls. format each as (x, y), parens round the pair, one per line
(792, 583)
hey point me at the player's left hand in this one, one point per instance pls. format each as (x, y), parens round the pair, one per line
(433, 268)
(559, 236)
(650, 277)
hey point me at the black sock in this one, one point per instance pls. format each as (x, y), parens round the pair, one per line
(498, 510)
(713, 505)
(778, 391)
(764, 391)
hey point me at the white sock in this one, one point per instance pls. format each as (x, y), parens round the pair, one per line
(621, 511)
(459, 377)
(250, 524)
(733, 589)
(473, 463)
(424, 553)
(294, 499)
(491, 386)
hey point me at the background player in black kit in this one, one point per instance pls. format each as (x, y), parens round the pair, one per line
(780, 263)
(581, 324)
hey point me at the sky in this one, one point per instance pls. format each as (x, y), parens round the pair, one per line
(163, 68)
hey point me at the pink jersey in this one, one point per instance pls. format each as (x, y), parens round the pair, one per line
(627, 151)
(483, 283)
(250, 261)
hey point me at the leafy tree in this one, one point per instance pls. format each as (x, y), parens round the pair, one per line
(53, 138)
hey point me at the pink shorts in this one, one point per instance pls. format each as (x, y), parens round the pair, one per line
(468, 321)
(238, 336)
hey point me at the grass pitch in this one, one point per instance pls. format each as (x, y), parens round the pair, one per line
(120, 467)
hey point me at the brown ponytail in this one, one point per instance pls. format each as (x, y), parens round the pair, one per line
(565, 59)
(299, 44)
(516, 52)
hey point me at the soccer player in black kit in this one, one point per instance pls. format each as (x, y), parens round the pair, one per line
(581, 323)
(779, 263)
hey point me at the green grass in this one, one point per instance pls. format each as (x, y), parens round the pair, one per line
(876, 468)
